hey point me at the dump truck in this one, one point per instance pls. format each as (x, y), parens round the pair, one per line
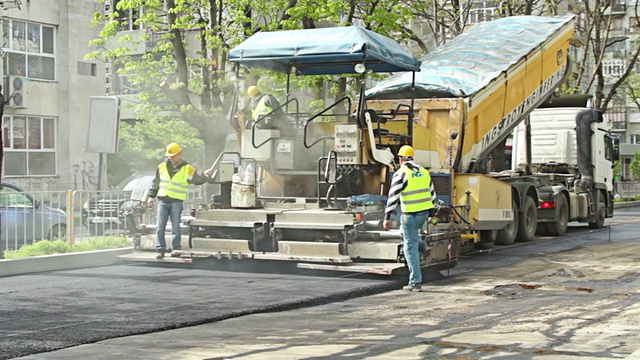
(314, 192)
(467, 100)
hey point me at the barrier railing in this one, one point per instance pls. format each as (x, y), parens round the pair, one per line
(74, 216)
(627, 189)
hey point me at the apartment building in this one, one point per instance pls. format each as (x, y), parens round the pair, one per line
(623, 114)
(47, 88)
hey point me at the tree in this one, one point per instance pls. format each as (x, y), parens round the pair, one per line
(185, 74)
(635, 166)
(595, 31)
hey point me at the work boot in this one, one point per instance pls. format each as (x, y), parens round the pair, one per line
(413, 287)
(160, 255)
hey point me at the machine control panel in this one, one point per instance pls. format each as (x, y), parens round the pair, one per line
(347, 144)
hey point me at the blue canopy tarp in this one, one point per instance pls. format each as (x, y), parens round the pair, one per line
(471, 60)
(323, 51)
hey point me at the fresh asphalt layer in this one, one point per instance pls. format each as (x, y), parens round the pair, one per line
(48, 311)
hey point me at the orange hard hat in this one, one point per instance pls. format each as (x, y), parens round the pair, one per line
(406, 151)
(173, 149)
(253, 91)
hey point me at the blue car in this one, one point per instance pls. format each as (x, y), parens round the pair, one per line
(25, 219)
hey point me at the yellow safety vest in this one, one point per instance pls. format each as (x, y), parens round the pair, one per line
(418, 195)
(261, 109)
(176, 187)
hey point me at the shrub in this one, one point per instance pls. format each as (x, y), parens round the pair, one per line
(60, 247)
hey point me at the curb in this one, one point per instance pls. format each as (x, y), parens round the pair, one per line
(625, 204)
(68, 261)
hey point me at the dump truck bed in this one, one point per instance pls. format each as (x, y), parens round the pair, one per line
(503, 69)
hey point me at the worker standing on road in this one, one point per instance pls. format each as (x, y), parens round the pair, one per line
(412, 186)
(170, 186)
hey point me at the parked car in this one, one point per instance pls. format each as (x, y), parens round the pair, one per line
(101, 213)
(24, 219)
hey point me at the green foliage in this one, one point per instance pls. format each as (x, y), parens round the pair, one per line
(142, 147)
(635, 166)
(45, 247)
(102, 243)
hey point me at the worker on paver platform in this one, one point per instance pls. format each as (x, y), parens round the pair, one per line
(411, 185)
(263, 104)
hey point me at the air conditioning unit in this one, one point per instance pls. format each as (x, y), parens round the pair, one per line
(18, 91)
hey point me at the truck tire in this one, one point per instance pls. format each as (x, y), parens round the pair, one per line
(601, 210)
(527, 221)
(487, 239)
(507, 235)
(559, 227)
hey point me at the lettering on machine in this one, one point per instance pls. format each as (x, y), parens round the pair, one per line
(509, 121)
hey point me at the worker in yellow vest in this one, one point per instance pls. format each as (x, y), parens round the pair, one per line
(411, 186)
(266, 110)
(170, 187)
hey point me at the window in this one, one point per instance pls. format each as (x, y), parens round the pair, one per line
(613, 67)
(29, 49)
(480, 11)
(634, 138)
(10, 197)
(617, 24)
(128, 18)
(87, 68)
(29, 145)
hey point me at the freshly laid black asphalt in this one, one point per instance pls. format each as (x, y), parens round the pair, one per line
(44, 312)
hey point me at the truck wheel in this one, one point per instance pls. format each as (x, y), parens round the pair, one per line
(559, 227)
(487, 239)
(507, 235)
(601, 209)
(527, 221)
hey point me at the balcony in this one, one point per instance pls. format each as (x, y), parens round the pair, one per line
(617, 118)
(615, 9)
(619, 9)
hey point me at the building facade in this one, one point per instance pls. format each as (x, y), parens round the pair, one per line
(47, 88)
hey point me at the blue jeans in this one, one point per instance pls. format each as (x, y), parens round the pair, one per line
(410, 225)
(168, 210)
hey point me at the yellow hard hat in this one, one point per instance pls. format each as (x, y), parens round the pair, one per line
(406, 151)
(173, 149)
(253, 91)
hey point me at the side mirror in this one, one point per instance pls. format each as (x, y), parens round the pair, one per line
(616, 149)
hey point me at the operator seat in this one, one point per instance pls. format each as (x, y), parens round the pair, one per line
(380, 132)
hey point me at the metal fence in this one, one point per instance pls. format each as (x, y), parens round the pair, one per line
(76, 215)
(628, 189)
